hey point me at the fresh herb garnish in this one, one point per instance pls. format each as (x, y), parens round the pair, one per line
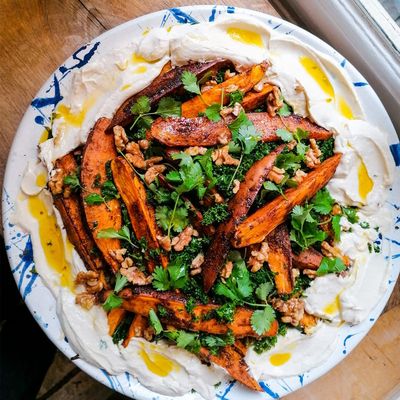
(110, 233)
(112, 301)
(213, 112)
(261, 320)
(174, 276)
(215, 214)
(155, 322)
(190, 83)
(73, 182)
(330, 265)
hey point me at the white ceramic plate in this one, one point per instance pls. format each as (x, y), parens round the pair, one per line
(39, 299)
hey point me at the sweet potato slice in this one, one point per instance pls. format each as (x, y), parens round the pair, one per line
(98, 150)
(268, 125)
(137, 328)
(280, 258)
(233, 362)
(260, 224)
(167, 83)
(71, 212)
(114, 318)
(307, 259)
(244, 82)
(184, 132)
(238, 207)
(308, 321)
(253, 100)
(200, 131)
(142, 300)
(141, 213)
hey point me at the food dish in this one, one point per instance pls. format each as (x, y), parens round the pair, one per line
(339, 86)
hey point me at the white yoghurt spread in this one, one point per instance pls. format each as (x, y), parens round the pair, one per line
(315, 87)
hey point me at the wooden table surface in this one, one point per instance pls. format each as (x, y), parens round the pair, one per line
(35, 38)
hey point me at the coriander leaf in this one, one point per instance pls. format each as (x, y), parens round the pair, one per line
(161, 279)
(111, 233)
(141, 106)
(351, 214)
(322, 202)
(120, 282)
(112, 301)
(72, 181)
(94, 199)
(336, 226)
(212, 112)
(215, 214)
(189, 81)
(155, 322)
(264, 290)
(272, 187)
(241, 121)
(109, 191)
(144, 123)
(248, 137)
(261, 320)
(300, 134)
(364, 224)
(289, 161)
(174, 177)
(178, 220)
(301, 149)
(169, 107)
(185, 339)
(284, 134)
(235, 97)
(206, 163)
(285, 110)
(330, 265)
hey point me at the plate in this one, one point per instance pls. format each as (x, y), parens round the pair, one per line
(19, 247)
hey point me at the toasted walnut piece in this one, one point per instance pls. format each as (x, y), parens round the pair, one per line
(228, 74)
(336, 210)
(208, 85)
(196, 150)
(144, 144)
(274, 101)
(153, 160)
(118, 255)
(237, 109)
(152, 173)
(183, 239)
(134, 149)
(223, 139)
(120, 138)
(295, 274)
(221, 156)
(276, 175)
(292, 310)
(136, 160)
(258, 87)
(231, 88)
(85, 300)
(226, 111)
(226, 271)
(311, 273)
(165, 242)
(315, 148)
(332, 252)
(299, 176)
(148, 333)
(195, 267)
(313, 154)
(258, 257)
(135, 275)
(218, 199)
(56, 182)
(128, 262)
(236, 186)
(291, 145)
(84, 276)
(67, 191)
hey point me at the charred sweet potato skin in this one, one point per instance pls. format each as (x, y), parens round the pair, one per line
(231, 360)
(308, 259)
(70, 209)
(280, 259)
(243, 81)
(114, 318)
(238, 207)
(167, 83)
(256, 227)
(141, 213)
(98, 150)
(141, 301)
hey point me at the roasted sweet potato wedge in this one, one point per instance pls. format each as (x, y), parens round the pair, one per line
(260, 224)
(231, 360)
(142, 300)
(307, 259)
(200, 131)
(280, 258)
(71, 211)
(252, 99)
(308, 321)
(243, 81)
(167, 83)
(238, 207)
(98, 150)
(268, 125)
(114, 318)
(141, 213)
(137, 328)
